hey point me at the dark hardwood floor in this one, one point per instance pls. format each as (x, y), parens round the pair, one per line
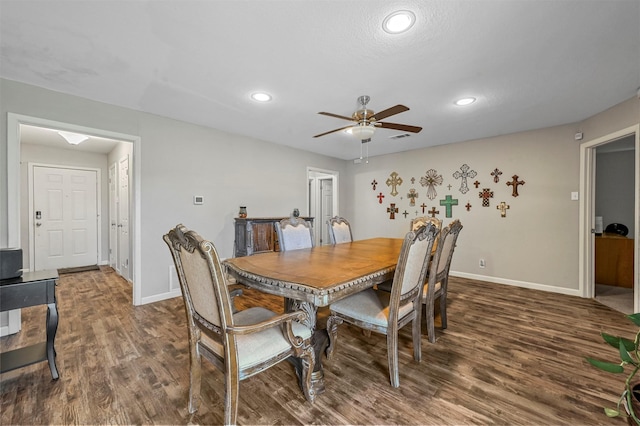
(509, 356)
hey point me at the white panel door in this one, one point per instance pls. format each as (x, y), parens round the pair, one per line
(65, 218)
(123, 218)
(326, 199)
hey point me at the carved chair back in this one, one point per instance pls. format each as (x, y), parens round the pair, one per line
(294, 233)
(339, 230)
(423, 220)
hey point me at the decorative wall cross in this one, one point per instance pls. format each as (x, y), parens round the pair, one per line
(413, 180)
(412, 195)
(503, 208)
(392, 210)
(496, 175)
(431, 180)
(468, 206)
(485, 194)
(463, 174)
(424, 206)
(394, 181)
(405, 214)
(449, 202)
(433, 212)
(380, 197)
(515, 182)
(476, 184)
(374, 184)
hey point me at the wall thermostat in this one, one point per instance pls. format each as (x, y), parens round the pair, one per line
(198, 199)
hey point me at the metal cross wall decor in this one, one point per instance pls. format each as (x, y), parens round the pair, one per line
(466, 173)
(394, 181)
(515, 182)
(412, 195)
(503, 208)
(392, 210)
(448, 202)
(485, 194)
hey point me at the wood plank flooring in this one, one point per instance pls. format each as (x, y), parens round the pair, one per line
(510, 356)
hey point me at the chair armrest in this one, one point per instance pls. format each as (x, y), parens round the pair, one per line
(271, 322)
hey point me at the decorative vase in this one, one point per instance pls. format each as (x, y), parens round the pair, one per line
(243, 212)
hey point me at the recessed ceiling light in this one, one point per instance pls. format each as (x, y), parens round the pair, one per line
(399, 21)
(465, 101)
(261, 97)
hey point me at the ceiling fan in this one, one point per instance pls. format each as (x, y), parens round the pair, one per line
(367, 121)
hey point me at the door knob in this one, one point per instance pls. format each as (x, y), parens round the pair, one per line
(38, 224)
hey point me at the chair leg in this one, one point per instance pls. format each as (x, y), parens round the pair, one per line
(332, 330)
(428, 313)
(417, 337)
(392, 357)
(308, 361)
(443, 304)
(231, 383)
(195, 376)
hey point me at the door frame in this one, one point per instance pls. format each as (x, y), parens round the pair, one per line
(30, 183)
(314, 174)
(13, 184)
(586, 279)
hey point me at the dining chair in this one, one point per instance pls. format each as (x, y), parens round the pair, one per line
(294, 233)
(387, 312)
(339, 230)
(438, 278)
(423, 220)
(239, 344)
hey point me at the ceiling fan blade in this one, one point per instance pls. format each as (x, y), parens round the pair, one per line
(396, 126)
(331, 131)
(337, 116)
(389, 112)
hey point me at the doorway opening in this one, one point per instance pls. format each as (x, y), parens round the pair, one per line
(16, 124)
(629, 140)
(322, 201)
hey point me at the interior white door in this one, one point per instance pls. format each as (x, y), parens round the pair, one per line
(326, 208)
(113, 216)
(65, 218)
(123, 218)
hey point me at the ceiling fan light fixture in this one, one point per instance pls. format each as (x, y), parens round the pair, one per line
(73, 138)
(362, 131)
(465, 101)
(261, 97)
(399, 22)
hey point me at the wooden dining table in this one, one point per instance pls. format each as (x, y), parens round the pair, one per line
(318, 276)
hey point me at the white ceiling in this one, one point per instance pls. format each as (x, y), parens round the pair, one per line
(530, 63)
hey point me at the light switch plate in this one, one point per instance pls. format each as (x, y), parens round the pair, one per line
(574, 196)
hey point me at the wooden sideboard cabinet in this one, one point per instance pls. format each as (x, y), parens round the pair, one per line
(257, 234)
(614, 260)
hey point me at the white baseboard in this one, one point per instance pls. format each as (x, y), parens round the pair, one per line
(516, 283)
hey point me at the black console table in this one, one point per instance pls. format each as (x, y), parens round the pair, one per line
(31, 289)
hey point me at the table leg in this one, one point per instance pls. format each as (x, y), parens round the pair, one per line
(52, 328)
(319, 340)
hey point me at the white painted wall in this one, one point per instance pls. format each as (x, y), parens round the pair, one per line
(178, 160)
(536, 245)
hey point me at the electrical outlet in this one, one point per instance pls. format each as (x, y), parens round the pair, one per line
(482, 263)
